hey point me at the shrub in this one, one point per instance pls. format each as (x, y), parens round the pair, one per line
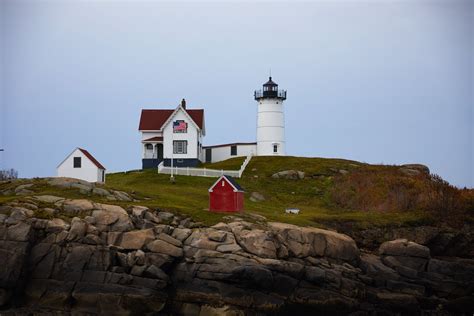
(8, 174)
(387, 189)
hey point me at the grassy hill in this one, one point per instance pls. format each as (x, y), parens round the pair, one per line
(333, 191)
(317, 195)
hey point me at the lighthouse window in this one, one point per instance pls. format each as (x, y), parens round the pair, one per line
(180, 147)
(275, 148)
(233, 150)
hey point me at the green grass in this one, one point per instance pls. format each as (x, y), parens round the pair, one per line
(229, 164)
(188, 196)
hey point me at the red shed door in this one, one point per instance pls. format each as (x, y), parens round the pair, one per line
(223, 197)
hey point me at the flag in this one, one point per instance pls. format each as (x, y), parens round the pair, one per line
(180, 126)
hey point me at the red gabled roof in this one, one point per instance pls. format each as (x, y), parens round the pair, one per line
(197, 116)
(153, 120)
(153, 139)
(229, 180)
(91, 158)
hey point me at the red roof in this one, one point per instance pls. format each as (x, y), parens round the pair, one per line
(153, 120)
(153, 139)
(91, 158)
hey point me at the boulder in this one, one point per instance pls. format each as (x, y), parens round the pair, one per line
(406, 254)
(139, 211)
(152, 218)
(113, 216)
(153, 271)
(56, 225)
(165, 216)
(160, 246)
(414, 169)
(181, 233)
(258, 242)
(18, 214)
(83, 188)
(68, 182)
(229, 248)
(78, 229)
(122, 196)
(76, 206)
(415, 263)
(373, 267)
(256, 197)
(455, 267)
(289, 174)
(169, 239)
(100, 191)
(137, 239)
(18, 232)
(308, 241)
(403, 247)
(217, 235)
(23, 187)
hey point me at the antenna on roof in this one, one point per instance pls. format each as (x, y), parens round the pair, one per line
(270, 73)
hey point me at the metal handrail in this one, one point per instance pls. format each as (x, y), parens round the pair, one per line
(276, 94)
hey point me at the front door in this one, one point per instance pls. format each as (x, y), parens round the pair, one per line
(160, 151)
(208, 154)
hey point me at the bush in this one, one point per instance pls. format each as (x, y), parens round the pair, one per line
(387, 189)
(8, 174)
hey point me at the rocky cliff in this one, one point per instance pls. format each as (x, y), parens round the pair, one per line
(92, 258)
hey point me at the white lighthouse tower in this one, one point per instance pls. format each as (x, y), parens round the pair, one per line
(270, 120)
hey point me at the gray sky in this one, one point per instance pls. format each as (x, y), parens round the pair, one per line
(376, 81)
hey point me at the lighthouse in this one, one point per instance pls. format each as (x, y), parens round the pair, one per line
(270, 120)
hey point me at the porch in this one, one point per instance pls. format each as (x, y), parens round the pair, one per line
(153, 150)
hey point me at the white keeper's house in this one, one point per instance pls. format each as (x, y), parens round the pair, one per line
(80, 164)
(176, 134)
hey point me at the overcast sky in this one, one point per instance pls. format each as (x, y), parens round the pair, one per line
(376, 81)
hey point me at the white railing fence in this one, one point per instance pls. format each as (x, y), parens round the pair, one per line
(204, 172)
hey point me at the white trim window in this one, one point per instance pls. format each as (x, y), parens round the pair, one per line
(180, 147)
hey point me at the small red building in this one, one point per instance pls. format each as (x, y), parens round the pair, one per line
(226, 195)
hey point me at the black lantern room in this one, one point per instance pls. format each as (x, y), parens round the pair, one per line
(270, 90)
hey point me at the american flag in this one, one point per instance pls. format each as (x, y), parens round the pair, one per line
(180, 125)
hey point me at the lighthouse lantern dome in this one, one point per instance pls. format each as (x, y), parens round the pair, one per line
(270, 90)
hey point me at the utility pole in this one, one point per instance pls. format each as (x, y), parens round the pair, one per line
(172, 180)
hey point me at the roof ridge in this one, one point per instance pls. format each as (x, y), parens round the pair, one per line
(91, 158)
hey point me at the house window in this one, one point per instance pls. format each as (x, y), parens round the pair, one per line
(180, 147)
(149, 147)
(77, 162)
(233, 150)
(275, 148)
(180, 126)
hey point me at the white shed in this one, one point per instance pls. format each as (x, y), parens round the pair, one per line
(80, 164)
